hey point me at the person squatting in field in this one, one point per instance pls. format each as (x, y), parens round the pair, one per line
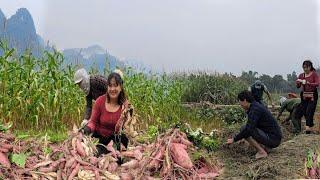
(261, 130)
(93, 87)
(308, 81)
(257, 89)
(104, 123)
(291, 105)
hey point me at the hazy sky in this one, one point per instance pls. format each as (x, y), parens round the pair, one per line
(269, 36)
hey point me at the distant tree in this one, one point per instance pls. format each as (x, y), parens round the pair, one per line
(292, 77)
(275, 84)
(249, 77)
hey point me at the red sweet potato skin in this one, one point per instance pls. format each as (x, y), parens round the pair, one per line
(4, 161)
(180, 155)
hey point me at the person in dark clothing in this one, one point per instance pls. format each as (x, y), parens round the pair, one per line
(92, 86)
(257, 89)
(292, 105)
(308, 82)
(261, 130)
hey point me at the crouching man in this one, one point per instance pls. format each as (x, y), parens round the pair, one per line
(261, 130)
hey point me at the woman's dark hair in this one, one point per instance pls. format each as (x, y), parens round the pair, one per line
(122, 96)
(246, 95)
(308, 63)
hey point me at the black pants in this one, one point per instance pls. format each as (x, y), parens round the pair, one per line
(117, 140)
(295, 119)
(266, 139)
(307, 108)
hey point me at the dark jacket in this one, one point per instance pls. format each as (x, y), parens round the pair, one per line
(98, 87)
(260, 117)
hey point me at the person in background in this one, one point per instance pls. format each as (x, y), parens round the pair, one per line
(93, 87)
(308, 81)
(261, 130)
(257, 89)
(292, 106)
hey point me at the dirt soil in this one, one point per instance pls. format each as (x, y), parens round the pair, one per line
(284, 162)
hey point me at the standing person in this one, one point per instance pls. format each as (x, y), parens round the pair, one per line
(261, 130)
(291, 105)
(107, 113)
(308, 82)
(257, 89)
(92, 86)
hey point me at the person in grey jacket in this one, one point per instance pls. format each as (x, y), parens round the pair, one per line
(93, 87)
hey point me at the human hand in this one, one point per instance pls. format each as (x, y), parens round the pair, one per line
(230, 141)
(84, 122)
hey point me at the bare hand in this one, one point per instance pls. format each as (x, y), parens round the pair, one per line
(84, 122)
(273, 106)
(230, 141)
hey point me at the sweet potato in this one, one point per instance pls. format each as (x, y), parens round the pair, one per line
(83, 162)
(133, 154)
(74, 143)
(106, 164)
(155, 162)
(93, 160)
(59, 174)
(53, 166)
(4, 150)
(129, 154)
(47, 169)
(111, 149)
(180, 155)
(70, 162)
(112, 167)
(74, 165)
(45, 163)
(96, 173)
(313, 173)
(131, 164)
(126, 176)
(73, 153)
(204, 169)
(80, 149)
(6, 146)
(74, 172)
(138, 154)
(4, 161)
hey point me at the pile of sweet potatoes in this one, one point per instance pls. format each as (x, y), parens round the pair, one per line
(167, 157)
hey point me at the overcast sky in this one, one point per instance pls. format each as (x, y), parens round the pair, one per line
(268, 36)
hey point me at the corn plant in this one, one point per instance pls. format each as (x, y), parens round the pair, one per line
(215, 88)
(38, 93)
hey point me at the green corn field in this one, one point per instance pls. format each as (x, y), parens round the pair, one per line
(39, 93)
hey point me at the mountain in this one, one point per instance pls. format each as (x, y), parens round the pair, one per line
(20, 33)
(2, 21)
(93, 56)
(138, 66)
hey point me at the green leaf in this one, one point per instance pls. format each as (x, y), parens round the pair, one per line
(19, 159)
